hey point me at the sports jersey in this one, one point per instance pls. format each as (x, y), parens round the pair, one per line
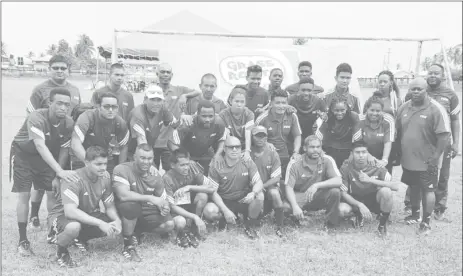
(377, 136)
(198, 141)
(280, 130)
(124, 98)
(391, 104)
(38, 126)
(85, 193)
(93, 131)
(236, 126)
(40, 97)
(307, 112)
(447, 98)
(174, 181)
(303, 173)
(236, 181)
(127, 174)
(418, 128)
(192, 104)
(350, 179)
(257, 99)
(352, 100)
(294, 89)
(268, 163)
(342, 134)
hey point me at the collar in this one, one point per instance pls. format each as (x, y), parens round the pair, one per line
(114, 92)
(214, 98)
(369, 124)
(57, 84)
(307, 162)
(274, 117)
(335, 91)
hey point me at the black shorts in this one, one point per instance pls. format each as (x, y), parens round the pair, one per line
(28, 170)
(149, 216)
(236, 207)
(268, 204)
(421, 178)
(58, 223)
(370, 201)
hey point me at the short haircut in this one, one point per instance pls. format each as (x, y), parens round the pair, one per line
(116, 66)
(274, 69)
(253, 69)
(359, 144)
(59, 91)
(106, 95)
(438, 65)
(93, 152)
(306, 80)
(205, 104)
(58, 58)
(279, 93)
(144, 147)
(343, 67)
(177, 154)
(304, 63)
(311, 138)
(208, 75)
(237, 90)
(373, 100)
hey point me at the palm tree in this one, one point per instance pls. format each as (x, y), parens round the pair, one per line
(52, 49)
(3, 49)
(85, 47)
(30, 54)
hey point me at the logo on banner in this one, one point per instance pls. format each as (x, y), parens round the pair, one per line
(233, 68)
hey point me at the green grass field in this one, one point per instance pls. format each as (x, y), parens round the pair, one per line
(306, 251)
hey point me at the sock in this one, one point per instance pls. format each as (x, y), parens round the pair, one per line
(127, 240)
(426, 217)
(416, 211)
(22, 231)
(61, 250)
(35, 206)
(279, 216)
(383, 218)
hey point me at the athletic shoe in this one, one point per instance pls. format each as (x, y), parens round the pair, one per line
(251, 233)
(34, 223)
(24, 248)
(182, 240)
(192, 240)
(412, 219)
(133, 241)
(81, 245)
(382, 230)
(408, 210)
(130, 253)
(279, 233)
(424, 229)
(439, 215)
(65, 260)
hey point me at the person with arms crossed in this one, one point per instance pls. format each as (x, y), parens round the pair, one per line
(283, 129)
(313, 183)
(141, 200)
(101, 127)
(40, 98)
(304, 72)
(204, 139)
(269, 167)
(369, 189)
(39, 153)
(343, 78)
(76, 214)
(423, 130)
(124, 98)
(187, 193)
(208, 87)
(239, 190)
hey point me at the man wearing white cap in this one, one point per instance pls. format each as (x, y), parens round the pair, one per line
(147, 119)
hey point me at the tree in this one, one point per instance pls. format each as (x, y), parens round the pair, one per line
(300, 41)
(84, 50)
(426, 63)
(63, 47)
(42, 54)
(3, 49)
(30, 54)
(52, 50)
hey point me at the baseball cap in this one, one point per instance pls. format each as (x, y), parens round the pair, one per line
(154, 91)
(259, 129)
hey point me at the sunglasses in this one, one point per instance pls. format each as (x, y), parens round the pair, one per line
(234, 147)
(418, 89)
(56, 68)
(109, 106)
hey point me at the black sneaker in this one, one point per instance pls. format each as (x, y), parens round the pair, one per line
(251, 233)
(193, 240)
(424, 229)
(279, 233)
(133, 241)
(81, 245)
(65, 260)
(34, 223)
(412, 219)
(24, 249)
(130, 253)
(182, 240)
(222, 224)
(382, 231)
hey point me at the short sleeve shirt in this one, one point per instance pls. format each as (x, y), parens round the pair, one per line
(352, 100)
(356, 188)
(87, 194)
(418, 128)
(236, 126)
(125, 99)
(149, 183)
(377, 136)
(307, 112)
(192, 105)
(303, 173)
(280, 131)
(257, 99)
(40, 97)
(38, 126)
(198, 141)
(448, 99)
(268, 164)
(234, 182)
(341, 135)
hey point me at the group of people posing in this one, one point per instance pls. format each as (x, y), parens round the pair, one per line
(265, 151)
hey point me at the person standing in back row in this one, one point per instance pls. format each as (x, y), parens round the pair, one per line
(125, 98)
(304, 72)
(208, 87)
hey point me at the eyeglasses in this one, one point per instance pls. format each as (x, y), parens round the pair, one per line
(109, 106)
(56, 68)
(234, 147)
(418, 89)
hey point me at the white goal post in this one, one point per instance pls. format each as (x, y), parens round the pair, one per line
(419, 41)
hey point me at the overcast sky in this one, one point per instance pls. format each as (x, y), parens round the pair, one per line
(33, 26)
